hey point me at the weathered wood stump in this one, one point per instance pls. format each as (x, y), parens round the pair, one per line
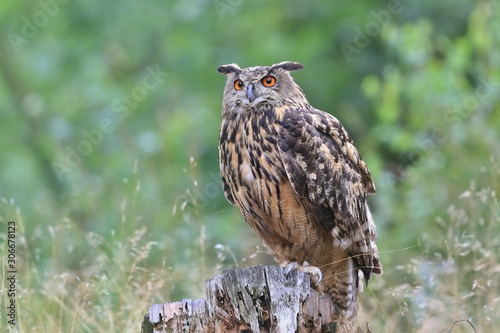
(254, 299)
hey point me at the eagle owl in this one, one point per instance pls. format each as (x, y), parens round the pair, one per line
(297, 179)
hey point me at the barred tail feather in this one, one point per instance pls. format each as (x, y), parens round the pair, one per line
(341, 282)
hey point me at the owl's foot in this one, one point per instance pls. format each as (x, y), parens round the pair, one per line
(314, 272)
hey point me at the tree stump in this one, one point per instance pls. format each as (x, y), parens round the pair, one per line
(255, 299)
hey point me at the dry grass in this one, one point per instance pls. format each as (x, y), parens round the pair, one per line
(110, 293)
(454, 284)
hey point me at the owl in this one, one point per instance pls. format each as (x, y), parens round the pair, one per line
(297, 179)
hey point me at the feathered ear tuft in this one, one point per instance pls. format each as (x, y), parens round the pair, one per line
(288, 66)
(230, 68)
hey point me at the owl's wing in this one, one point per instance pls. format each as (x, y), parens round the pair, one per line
(326, 170)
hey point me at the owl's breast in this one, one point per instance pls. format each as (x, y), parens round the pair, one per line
(249, 158)
(258, 162)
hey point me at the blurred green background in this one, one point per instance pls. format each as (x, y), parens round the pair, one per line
(109, 124)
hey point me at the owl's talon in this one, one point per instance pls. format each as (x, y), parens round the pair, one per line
(314, 272)
(290, 267)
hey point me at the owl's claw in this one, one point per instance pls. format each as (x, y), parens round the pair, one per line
(314, 272)
(290, 267)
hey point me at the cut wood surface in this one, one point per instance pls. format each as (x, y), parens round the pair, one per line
(254, 299)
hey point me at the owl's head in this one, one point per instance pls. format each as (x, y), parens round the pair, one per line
(257, 88)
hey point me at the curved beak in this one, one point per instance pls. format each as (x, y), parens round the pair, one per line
(250, 92)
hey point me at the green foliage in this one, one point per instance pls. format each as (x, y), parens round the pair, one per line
(108, 148)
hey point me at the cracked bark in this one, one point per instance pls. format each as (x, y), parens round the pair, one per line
(255, 299)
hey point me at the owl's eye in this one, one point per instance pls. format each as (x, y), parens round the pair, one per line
(238, 84)
(269, 81)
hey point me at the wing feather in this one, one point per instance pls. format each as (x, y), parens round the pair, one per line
(325, 169)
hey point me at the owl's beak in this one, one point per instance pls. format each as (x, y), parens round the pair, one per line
(250, 92)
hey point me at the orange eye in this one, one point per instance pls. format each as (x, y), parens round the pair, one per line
(268, 81)
(238, 84)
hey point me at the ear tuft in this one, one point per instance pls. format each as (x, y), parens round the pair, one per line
(288, 66)
(230, 68)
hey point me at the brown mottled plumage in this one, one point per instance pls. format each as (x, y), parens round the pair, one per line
(297, 179)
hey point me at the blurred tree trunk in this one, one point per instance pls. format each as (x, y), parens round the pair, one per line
(254, 299)
(34, 130)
